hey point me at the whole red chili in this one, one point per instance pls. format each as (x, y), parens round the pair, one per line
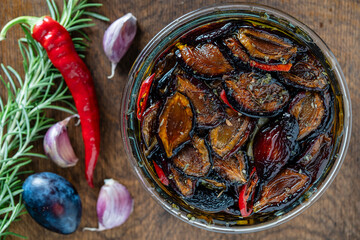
(144, 95)
(61, 51)
(58, 44)
(271, 67)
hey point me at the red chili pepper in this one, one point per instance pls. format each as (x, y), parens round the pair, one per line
(246, 192)
(161, 174)
(58, 44)
(268, 67)
(144, 95)
(225, 100)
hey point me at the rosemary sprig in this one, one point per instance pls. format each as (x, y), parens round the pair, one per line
(22, 117)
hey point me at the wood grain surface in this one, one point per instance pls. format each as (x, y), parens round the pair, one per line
(336, 215)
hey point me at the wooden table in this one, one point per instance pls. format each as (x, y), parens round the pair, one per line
(335, 216)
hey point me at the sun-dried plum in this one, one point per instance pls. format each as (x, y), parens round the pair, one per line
(208, 109)
(194, 159)
(307, 74)
(165, 84)
(148, 125)
(309, 110)
(183, 184)
(215, 33)
(175, 123)
(229, 136)
(233, 168)
(316, 156)
(236, 49)
(255, 94)
(261, 44)
(204, 59)
(210, 201)
(165, 64)
(213, 184)
(284, 189)
(273, 144)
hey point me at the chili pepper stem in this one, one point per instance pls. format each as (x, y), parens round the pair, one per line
(31, 21)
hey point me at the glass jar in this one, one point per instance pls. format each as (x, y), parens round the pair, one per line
(142, 68)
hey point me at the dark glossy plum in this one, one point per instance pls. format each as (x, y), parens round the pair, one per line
(229, 136)
(256, 94)
(309, 110)
(316, 156)
(273, 145)
(208, 109)
(236, 49)
(175, 123)
(307, 74)
(266, 46)
(284, 189)
(53, 202)
(216, 33)
(206, 60)
(214, 184)
(210, 201)
(194, 159)
(148, 125)
(181, 183)
(233, 168)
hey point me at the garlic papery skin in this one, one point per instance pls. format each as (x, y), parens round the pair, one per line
(114, 205)
(57, 144)
(118, 38)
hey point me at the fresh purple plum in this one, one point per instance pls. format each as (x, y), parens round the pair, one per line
(53, 202)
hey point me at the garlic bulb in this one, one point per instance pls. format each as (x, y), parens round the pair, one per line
(118, 38)
(114, 205)
(57, 144)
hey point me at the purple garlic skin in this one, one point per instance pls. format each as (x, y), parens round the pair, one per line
(118, 38)
(57, 144)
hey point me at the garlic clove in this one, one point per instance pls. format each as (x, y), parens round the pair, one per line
(118, 38)
(57, 144)
(114, 205)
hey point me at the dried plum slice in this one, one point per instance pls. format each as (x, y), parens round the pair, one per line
(273, 144)
(148, 124)
(236, 49)
(205, 59)
(229, 136)
(316, 156)
(255, 94)
(233, 168)
(209, 112)
(165, 84)
(210, 201)
(194, 159)
(284, 189)
(213, 184)
(307, 74)
(261, 44)
(309, 110)
(183, 184)
(165, 63)
(215, 33)
(175, 123)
